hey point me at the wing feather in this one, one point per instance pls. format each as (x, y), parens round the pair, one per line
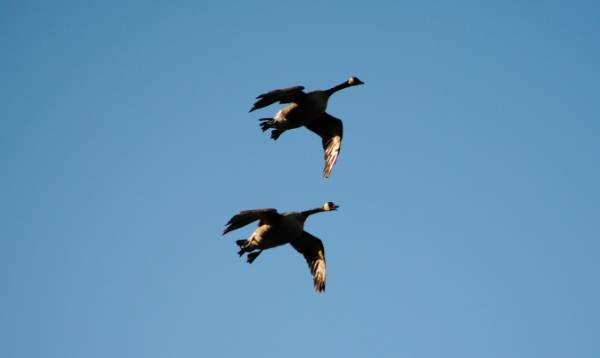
(313, 251)
(248, 216)
(282, 95)
(331, 131)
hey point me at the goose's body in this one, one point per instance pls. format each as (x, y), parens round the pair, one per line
(299, 114)
(275, 229)
(288, 228)
(309, 110)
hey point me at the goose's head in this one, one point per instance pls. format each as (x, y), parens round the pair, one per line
(354, 81)
(329, 206)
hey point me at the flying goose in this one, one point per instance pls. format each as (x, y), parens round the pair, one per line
(275, 229)
(306, 109)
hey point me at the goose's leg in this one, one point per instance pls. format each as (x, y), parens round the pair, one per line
(266, 123)
(252, 256)
(245, 246)
(275, 133)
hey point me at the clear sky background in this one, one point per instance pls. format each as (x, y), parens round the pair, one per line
(468, 181)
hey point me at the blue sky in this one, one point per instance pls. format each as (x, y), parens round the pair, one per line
(468, 179)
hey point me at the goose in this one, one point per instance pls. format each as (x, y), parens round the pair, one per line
(275, 229)
(306, 109)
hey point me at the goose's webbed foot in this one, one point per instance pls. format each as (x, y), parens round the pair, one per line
(252, 256)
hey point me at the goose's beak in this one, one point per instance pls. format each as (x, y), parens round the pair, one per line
(334, 207)
(359, 82)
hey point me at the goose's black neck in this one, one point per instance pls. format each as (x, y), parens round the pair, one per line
(307, 213)
(334, 89)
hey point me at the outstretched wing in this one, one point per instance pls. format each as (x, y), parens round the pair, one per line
(283, 95)
(331, 131)
(246, 217)
(314, 253)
